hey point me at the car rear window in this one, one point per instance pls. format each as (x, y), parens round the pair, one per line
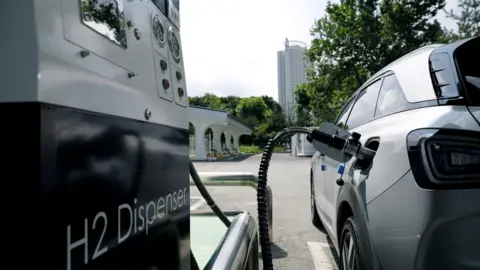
(467, 57)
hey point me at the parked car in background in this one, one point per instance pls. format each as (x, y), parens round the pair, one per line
(417, 204)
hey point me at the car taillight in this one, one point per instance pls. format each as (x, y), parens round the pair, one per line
(445, 158)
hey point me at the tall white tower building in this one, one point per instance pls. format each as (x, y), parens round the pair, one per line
(291, 72)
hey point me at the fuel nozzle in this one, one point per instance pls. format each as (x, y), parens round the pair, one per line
(330, 139)
(335, 142)
(355, 137)
(353, 144)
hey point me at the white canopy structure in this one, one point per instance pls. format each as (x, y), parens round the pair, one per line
(219, 122)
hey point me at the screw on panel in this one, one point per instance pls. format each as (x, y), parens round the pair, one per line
(84, 53)
(147, 114)
(137, 34)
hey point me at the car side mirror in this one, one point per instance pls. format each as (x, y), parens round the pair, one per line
(332, 151)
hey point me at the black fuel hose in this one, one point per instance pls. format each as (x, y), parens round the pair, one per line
(262, 206)
(204, 192)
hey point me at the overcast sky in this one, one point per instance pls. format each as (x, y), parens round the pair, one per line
(230, 46)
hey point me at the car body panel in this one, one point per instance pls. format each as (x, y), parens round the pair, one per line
(319, 183)
(443, 229)
(331, 193)
(391, 159)
(352, 195)
(392, 150)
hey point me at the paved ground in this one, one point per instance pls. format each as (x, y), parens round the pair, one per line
(298, 244)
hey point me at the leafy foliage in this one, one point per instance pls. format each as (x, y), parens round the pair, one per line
(356, 38)
(262, 113)
(468, 21)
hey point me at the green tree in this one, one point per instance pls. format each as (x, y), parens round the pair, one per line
(354, 40)
(468, 21)
(276, 121)
(208, 101)
(273, 105)
(253, 110)
(302, 107)
(213, 101)
(345, 38)
(197, 101)
(230, 104)
(407, 25)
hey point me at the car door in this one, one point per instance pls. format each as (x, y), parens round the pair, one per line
(320, 166)
(362, 112)
(318, 183)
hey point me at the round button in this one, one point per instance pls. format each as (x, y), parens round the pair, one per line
(163, 65)
(179, 75)
(181, 93)
(166, 84)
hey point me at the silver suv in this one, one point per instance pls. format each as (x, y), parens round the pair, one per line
(417, 204)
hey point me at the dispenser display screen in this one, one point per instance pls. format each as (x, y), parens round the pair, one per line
(105, 17)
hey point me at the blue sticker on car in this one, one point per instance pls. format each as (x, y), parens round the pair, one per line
(341, 167)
